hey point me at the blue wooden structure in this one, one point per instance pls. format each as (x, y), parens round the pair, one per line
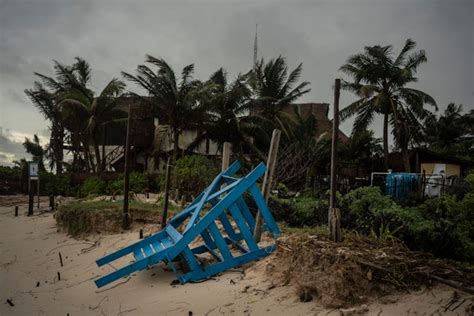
(204, 226)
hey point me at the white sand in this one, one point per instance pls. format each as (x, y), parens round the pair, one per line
(29, 249)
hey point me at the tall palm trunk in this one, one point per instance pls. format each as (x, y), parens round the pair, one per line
(87, 157)
(98, 163)
(175, 145)
(385, 141)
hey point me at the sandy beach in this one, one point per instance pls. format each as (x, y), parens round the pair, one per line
(29, 267)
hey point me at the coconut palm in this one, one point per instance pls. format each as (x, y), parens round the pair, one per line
(275, 89)
(87, 113)
(226, 109)
(380, 81)
(174, 100)
(43, 95)
(34, 148)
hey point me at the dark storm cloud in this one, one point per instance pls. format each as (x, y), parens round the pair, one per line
(114, 36)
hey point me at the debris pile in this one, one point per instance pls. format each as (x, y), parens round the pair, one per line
(350, 272)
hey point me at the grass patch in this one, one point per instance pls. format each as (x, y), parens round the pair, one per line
(85, 217)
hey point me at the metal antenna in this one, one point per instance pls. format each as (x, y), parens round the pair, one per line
(255, 48)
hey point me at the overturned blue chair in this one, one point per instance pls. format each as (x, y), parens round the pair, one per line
(221, 203)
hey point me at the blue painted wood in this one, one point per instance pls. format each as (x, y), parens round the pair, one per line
(220, 242)
(264, 211)
(243, 227)
(244, 209)
(170, 245)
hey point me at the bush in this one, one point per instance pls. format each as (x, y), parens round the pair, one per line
(93, 186)
(300, 211)
(443, 225)
(138, 183)
(192, 174)
(56, 184)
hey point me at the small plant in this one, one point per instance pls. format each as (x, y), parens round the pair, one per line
(93, 186)
(192, 174)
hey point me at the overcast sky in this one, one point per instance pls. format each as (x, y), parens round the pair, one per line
(115, 35)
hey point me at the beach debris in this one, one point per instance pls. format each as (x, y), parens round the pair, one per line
(9, 301)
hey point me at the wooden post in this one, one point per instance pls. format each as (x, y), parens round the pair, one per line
(225, 156)
(167, 194)
(268, 179)
(51, 201)
(16, 211)
(30, 198)
(38, 191)
(126, 219)
(334, 214)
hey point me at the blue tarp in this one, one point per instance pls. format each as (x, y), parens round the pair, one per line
(400, 184)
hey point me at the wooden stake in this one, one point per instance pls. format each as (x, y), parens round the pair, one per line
(226, 156)
(334, 214)
(16, 211)
(59, 276)
(141, 234)
(268, 179)
(30, 198)
(126, 219)
(60, 259)
(167, 194)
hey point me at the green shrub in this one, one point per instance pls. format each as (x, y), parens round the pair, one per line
(56, 184)
(300, 211)
(192, 174)
(93, 186)
(137, 183)
(443, 225)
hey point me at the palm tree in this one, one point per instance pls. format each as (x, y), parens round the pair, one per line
(380, 80)
(36, 150)
(86, 113)
(275, 89)
(226, 108)
(43, 97)
(451, 133)
(174, 101)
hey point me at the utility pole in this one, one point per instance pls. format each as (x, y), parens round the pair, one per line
(126, 217)
(334, 214)
(268, 180)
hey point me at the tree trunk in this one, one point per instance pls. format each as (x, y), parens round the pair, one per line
(87, 157)
(385, 141)
(104, 140)
(60, 150)
(98, 163)
(406, 159)
(175, 145)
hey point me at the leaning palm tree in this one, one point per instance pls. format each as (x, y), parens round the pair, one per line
(275, 89)
(43, 95)
(380, 81)
(174, 101)
(226, 119)
(87, 113)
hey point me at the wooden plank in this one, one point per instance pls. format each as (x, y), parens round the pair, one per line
(243, 227)
(225, 156)
(268, 179)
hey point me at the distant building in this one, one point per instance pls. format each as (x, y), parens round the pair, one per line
(320, 112)
(430, 162)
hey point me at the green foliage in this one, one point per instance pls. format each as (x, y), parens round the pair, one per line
(93, 186)
(56, 184)
(192, 174)
(443, 226)
(138, 183)
(79, 218)
(300, 211)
